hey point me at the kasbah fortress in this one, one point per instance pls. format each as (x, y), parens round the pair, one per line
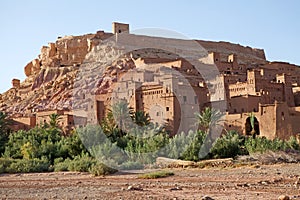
(158, 82)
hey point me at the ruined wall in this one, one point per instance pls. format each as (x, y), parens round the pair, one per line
(245, 54)
(120, 27)
(285, 68)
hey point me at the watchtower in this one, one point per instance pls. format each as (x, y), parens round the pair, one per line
(120, 28)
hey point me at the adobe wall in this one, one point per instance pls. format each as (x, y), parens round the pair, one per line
(284, 125)
(296, 94)
(119, 28)
(265, 118)
(243, 104)
(285, 68)
(23, 123)
(235, 122)
(245, 54)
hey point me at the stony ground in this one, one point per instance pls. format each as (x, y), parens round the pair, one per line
(247, 182)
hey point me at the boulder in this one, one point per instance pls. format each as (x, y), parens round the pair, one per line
(283, 197)
(32, 67)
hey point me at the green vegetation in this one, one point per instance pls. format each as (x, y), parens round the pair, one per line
(4, 131)
(261, 145)
(45, 148)
(101, 170)
(157, 174)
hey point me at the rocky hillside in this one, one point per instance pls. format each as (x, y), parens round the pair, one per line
(50, 77)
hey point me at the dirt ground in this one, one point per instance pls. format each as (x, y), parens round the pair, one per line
(247, 182)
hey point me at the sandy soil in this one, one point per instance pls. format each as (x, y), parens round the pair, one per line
(248, 182)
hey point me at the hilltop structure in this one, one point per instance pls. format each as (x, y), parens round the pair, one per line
(159, 82)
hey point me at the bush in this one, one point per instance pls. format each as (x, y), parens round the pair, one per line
(100, 170)
(80, 164)
(293, 143)
(228, 146)
(23, 165)
(157, 174)
(43, 142)
(192, 151)
(4, 164)
(61, 165)
(26, 166)
(262, 145)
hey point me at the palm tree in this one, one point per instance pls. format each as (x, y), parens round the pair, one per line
(252, 123)
(141, 118)
(209, 117)
(121, 114)
(208, 122)
(54, 120)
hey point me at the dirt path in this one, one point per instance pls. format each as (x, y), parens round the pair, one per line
(262, 182)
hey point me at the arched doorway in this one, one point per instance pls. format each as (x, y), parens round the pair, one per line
(250, 130)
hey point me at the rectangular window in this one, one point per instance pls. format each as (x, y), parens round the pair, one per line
(184, 99)
(167, 108)
(196, 99)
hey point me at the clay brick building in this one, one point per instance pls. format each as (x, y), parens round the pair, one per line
(161, 83)
(269, 90)
(268, 94)
(67, 120)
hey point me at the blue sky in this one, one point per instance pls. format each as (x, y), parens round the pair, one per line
(28, 25)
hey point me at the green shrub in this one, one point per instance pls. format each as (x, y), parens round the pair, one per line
(81, 164)
(42, 142)
(262, 144)
(293, 143)
(157, 174)
(228, 146)
(100, 169)
(4, 164)
(61, 165)
(192, 151)
(26, 166)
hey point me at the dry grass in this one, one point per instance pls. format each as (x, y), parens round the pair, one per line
(157, 174)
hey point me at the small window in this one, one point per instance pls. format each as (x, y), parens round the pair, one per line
(167, 108)
(184, 99)
(157, 114)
